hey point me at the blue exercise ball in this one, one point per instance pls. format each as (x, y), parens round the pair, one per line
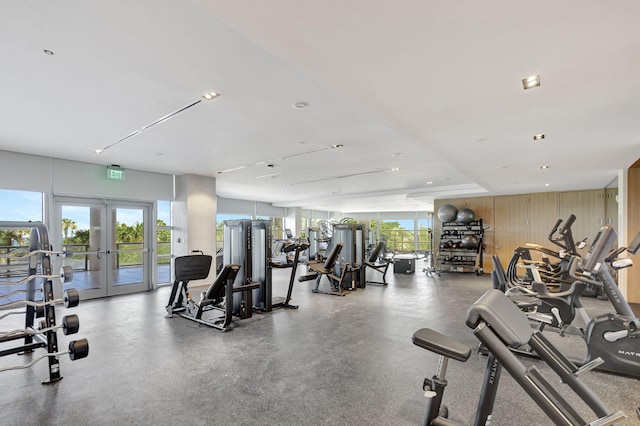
(465, 216)
(447, 213)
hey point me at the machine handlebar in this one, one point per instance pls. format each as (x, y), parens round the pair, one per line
(579, 274)
(568, 223)
(555, 228)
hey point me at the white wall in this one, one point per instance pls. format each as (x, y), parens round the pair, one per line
(76, 179)
(249, 208)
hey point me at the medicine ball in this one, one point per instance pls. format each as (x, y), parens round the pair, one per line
(465, 216)
(447, 213)
(470, 242)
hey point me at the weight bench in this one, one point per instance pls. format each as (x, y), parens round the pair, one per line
(373, 263)
(501, 326)
(218, 297)
(318, 270)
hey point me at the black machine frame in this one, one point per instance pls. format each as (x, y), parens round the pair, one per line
(500, 326)
(377, 263)
(248, 243)
(218, 297)
(40, 267)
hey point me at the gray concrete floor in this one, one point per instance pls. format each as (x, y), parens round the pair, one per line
(335, 361)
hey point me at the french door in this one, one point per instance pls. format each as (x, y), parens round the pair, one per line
(110, 243)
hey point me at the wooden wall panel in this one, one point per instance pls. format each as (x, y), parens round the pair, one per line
(589, 207)
(511, 225)
(543, 214)
(513, 220)
(611, 207)
(633, 226)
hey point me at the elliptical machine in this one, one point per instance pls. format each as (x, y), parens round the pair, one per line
(613, 337)
(553, 267)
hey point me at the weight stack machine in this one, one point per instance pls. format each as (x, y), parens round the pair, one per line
(248, 243)
(352, 236)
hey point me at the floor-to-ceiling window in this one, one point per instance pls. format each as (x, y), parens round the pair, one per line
(16, 206)
(163, 242)
(398, 235)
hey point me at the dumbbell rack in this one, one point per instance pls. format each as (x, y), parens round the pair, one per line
(452, 256)
(39, 268)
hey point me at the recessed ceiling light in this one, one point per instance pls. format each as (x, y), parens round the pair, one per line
(531, 82)
(300, 105)
(544, 167)
(429, 182)
(538, 137)
(395, 169)
(337, 145)
(210, 95)
(547, 184)
(98, 151)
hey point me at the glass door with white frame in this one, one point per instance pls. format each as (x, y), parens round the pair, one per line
(110, 245)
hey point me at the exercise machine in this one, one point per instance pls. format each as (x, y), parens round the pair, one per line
(542, 264)
(351, 236)
(557, 309)
(283, 302)
(217, 299)
(612, 337)
(500, 325)
(34, 336)
(248, 243)
(336, 273)
(377, 263)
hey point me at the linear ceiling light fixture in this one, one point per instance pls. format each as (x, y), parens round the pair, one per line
(531, 82)
(313, 151)
(538, 137)
(374, 172)
(207, 96)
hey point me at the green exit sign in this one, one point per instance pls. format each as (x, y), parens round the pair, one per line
(115, 172)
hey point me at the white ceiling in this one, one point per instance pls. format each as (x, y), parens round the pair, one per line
(437, 84)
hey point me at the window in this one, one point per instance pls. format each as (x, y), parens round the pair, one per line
(220, 218)
(398, 235)
(21, 206)
(425, 235)
(163, 242)
(277, 228)
(17, 206)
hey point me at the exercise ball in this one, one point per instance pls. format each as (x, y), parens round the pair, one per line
(470, 242)
(447, 213)
(465, 216)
